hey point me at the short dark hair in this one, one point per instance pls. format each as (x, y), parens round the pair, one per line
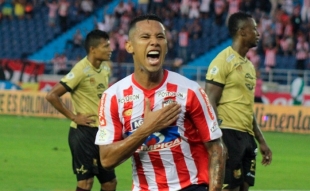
(144, 17)
(235, 20)
(93, 37)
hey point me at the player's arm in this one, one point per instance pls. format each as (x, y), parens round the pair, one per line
(264, 149)
(54, 97)
(111, 155)
(217, 160)
(214, 91)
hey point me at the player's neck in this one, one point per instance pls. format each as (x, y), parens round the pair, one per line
(95, 63)
(240, 49)
(149, 80)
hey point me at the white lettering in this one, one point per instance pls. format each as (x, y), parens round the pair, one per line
(171, 94)
(160, 146)
(129, 98)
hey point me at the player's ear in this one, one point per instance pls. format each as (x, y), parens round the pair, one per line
(129, 47)
(242, 32)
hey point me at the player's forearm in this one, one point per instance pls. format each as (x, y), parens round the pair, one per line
(257, 132)
(60, 106)
(114, 154)
(217, 161)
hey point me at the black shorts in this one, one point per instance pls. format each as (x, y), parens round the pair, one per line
(196, 187)
(85, 155)
(242, 151)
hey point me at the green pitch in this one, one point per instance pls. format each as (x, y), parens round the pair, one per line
(34, 156)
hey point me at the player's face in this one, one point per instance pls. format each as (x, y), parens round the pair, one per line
(252, 35)
(103, 51)
(148, 44)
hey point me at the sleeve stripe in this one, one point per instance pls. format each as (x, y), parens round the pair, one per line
(215, 83)
(66, 86)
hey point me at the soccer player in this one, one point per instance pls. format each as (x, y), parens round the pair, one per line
(161, 119)
(86, 82)
(230, 85)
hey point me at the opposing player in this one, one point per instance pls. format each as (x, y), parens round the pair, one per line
(86, 82)
(230, 87)
(161, 119)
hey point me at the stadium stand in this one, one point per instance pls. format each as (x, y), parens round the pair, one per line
(35, 40)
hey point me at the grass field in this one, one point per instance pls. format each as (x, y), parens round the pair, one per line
(34, 156)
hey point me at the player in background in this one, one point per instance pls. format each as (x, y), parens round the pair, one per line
(86, 81)
(230, 85)
(160, 119)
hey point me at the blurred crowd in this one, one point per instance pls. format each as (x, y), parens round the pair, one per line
(283, 24)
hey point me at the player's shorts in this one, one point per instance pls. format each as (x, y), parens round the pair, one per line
(196, 187)
(85, 155)
(240, 166)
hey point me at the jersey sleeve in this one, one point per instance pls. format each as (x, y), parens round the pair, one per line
(72, 79)
(110, 126)
(203, 116)
(217, 72)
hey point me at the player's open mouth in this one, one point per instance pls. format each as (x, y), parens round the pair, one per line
(153, 57)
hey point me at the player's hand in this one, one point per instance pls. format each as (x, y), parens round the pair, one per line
(85, 119)
(266, 153)
(161, 118)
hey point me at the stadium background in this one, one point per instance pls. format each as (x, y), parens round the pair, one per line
(35, 53)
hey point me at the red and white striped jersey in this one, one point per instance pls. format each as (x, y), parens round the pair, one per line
(175, 157)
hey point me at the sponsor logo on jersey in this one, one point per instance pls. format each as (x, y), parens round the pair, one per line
(102, 120)
(237, 173)
(247, 75)
(137, 123)
(249, 86)
(129, 98)
(230, 57)
(100, 86)
(214, 70)
(209, 107)
(166, 138)
(214, 127)
(165, 94)
(70, 76)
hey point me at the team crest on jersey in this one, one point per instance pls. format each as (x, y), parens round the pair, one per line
(237, 173)
(168, 102)
(239, 68)
(92, 81)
